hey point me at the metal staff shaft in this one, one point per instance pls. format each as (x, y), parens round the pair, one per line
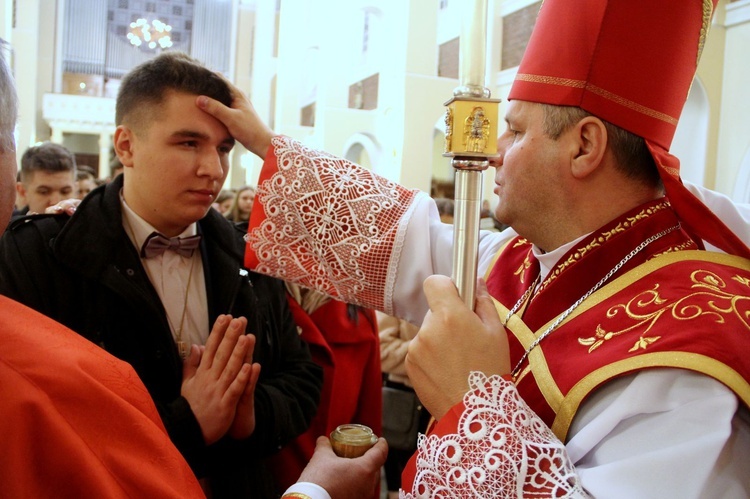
(471, 129)
(468, 197)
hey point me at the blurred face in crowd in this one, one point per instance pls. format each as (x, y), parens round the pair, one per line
(43, 189)
(176, 161)
(225, 206)
(85, 186)
(245, 201)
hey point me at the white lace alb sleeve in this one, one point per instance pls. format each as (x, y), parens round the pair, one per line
(500, 449)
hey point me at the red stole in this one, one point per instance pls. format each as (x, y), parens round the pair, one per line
(656, 311)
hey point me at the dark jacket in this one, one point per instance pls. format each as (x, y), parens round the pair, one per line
(19, 213)
(84, 272)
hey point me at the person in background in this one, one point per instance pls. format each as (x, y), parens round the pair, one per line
(242, 204)
(85, 183)
(145, 267)
(48, 173)
(77, 421)
(224, 201)
(115, 168)
(445, 209)
(395, 336)
(603, 356)
(343, 340)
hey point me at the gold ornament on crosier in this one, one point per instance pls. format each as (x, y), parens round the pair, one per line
(448, 129)
(477, 125)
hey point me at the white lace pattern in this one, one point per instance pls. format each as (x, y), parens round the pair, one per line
(502, 450)
(330, 224)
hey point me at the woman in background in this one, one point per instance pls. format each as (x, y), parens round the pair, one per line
(243, 203)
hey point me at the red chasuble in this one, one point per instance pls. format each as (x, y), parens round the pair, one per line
(668, 306)
(78, 422)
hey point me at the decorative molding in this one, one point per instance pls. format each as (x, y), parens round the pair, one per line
(79, 113)
(737, 13)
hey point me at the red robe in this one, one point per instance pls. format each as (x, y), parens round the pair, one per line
(350, 357)
(76, 421)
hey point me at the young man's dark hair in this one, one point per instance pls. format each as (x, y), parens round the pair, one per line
(47, 156)
(144, 87)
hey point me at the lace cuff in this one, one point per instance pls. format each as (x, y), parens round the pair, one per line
(499, 448)
(327, 224)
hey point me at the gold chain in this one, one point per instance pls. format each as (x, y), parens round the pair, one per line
(567, 312)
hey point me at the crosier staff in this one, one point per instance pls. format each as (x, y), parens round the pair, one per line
(470, 133)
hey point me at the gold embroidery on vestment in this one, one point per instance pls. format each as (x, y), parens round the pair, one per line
(566, 405)
(521, 271)
(566, 411)
(601, 238)
(687, 245)
(715, 302)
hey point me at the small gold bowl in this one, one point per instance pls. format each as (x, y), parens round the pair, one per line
(352, 440)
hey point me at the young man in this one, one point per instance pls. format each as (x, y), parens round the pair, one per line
(77, 421)
(117, 274)
(605, 325)
(85, 183)
(48, 176)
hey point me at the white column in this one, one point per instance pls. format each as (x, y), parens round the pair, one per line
(263, 72)
(105, 144)
(6, 20)
(57, 134)
(26, 51)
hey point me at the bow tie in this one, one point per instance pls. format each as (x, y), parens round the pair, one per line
(156, 244)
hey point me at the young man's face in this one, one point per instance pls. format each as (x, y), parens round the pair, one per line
(175, 164)
(42, 189)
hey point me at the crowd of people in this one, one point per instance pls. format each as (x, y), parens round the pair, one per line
(155, 320)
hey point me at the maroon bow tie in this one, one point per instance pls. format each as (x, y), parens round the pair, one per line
(156, 244)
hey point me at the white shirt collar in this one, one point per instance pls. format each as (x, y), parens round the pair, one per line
(138, 229)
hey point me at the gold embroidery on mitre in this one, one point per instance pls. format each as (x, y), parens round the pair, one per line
(598, 240)
(551, 80)
(653, 113)
(714, 301)
(618, 99)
